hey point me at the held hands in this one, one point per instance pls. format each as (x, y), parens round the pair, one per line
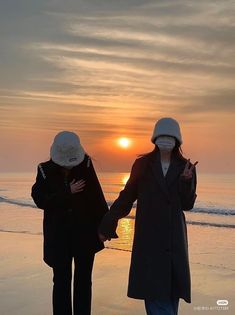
(103, 238)
(188, 171)
(77, 186)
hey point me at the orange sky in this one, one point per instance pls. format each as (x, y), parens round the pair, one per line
(108, 71)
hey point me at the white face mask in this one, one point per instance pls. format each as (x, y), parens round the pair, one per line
(165, 143)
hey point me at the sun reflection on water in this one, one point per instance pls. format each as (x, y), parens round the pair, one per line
(125, 179)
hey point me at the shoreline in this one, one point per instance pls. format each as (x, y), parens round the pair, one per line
(26, 282)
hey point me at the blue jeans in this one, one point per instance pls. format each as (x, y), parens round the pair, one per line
(157, 307)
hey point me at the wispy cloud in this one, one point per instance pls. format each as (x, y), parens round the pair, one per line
(102, 59)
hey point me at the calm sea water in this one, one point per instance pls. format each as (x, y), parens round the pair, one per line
(215, 205)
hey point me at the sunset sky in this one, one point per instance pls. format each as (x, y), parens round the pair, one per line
(109, 69)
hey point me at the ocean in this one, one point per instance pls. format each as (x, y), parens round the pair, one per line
(214, 208)
(210, 224)
(215, 204)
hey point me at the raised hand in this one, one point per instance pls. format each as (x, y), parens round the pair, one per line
(77, 186)
(188, 170)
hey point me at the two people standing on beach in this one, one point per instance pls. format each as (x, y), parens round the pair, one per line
(77, 221)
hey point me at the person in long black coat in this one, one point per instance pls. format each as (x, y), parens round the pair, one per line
(68, 191)
(164, 184)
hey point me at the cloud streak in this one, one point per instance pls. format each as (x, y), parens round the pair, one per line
(100, 59)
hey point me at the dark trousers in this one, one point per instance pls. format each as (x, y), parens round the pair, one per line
(82, 286)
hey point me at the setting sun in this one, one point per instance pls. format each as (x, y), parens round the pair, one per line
(124, 142)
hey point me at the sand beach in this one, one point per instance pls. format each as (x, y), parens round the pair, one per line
(26, 282)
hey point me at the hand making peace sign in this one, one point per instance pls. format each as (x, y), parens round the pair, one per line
(188, 170)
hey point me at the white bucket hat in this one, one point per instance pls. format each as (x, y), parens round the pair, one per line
(66, 149)
(167, 127)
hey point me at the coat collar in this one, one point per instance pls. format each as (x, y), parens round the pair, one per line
(175, 168)
(55, 170)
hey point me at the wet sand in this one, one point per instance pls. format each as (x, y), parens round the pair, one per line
(26, 282)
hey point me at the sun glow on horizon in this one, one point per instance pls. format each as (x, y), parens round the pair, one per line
(124, 143)
(125, 179)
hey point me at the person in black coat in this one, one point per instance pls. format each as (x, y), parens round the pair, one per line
(68, 191)
(164, 184)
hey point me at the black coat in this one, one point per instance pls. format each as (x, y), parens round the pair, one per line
(70, 220)
(159, 262)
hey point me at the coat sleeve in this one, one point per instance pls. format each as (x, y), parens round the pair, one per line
(122, 205)
(44, 198)
(98, 199)
(188, 191)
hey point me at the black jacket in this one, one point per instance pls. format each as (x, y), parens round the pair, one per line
(70, 220)
(159, 262)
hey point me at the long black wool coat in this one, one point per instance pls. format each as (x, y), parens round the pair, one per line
(70, 223)
(159, 263)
